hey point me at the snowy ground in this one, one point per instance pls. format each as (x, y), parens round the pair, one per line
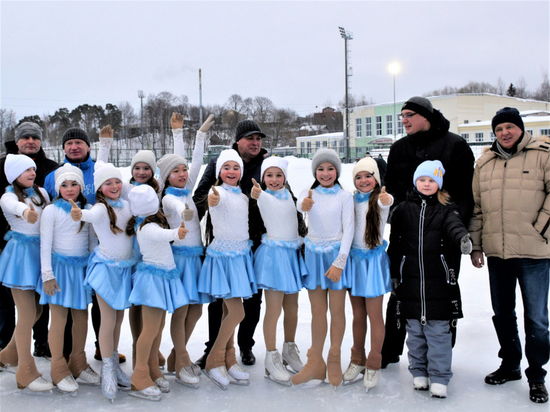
(474, 356)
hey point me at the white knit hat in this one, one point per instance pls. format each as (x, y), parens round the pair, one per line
(16, 164)
(227, 156)
(144, 201)
(274, 161)
(367, 164)
(68, 172)
(326, 155)
(103, 172)
(147, 157)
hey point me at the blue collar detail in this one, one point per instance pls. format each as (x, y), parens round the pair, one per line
(176, 191)
(328, 190)
(361, 197)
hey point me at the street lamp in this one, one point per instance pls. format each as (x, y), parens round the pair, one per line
(346, 36)
(141, 95)
(394, 69)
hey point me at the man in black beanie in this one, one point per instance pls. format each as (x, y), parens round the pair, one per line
(428, 138)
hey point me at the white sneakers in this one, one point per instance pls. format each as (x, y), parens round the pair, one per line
(421, 383)
(438, 390)
(291, 356)
(274, 368)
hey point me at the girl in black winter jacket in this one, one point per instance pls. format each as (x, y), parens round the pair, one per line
(425, 230)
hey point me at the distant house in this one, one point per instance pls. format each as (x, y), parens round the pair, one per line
(308, 145)
(329, 117)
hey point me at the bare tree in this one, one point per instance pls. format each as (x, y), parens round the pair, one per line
(543, 92)
(7, 125)
(521, 88)
(501, 87)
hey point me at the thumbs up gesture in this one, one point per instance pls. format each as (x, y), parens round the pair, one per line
(308, 202)
(187, 213)
(207, 124)
(182, 231)
(30, 214)
(76, 212)
(106, 132)
(256, 190)
(385, 197)
(213, 198)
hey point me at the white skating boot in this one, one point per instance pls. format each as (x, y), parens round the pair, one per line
(219, 376)
(371, 378)
(39, 386)
(275, 370)
(89, 377)
(163, 384)
(291, 357)
(152, 393)
(239, 375)
(420, 383)
(438, 390)
(351, 375)
(123, 380)
(196, 369)
(6, 367)
(67, 385)
(187, 377)
(109, 385)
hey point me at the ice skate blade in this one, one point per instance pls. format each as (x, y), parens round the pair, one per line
(71, 394)
(189, 385)
(218, 384)
(124, 388)
(352, 382)
(83, 383)
(27, 391)
(310, 384)
(138, 394)
(282, 383)
(239, 382)
(170, 373)
(289, 368)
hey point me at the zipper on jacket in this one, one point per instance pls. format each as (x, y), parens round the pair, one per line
(446, 268)
(401, 269)
(421, 263)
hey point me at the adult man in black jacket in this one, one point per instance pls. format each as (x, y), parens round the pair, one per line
(28, 141)
(428, 138)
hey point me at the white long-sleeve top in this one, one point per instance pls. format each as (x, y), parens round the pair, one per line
(114, 247)
(230, 215)
(173, 205)
(59, 233)
(154, 245)
(361, 208)
(330, 219)
(13, 211)
(279, 215)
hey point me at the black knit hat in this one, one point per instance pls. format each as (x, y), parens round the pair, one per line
(508, 115)
(75, 133)
(247, 128)
(422, 106)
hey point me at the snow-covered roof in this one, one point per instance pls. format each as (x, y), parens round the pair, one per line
(335, 135)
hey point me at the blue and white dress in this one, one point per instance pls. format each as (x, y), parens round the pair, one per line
(64, 251)
(330, 233)
(20, 259)
(156, 281)
(109, 271)
(227, 271)
(370, 268)
(278, 261)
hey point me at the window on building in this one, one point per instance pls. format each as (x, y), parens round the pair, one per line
(334, 144)
(530, 131)
(466, 121)
(479, 136)
(308, 147)
(359, 151)
(389, 124)
(368, 126)
(359, 127)
(302, 148)
(378, 125)
(325, 143)
(492, 136)
(465, 136)
(399, 126)
(342, 146)
(317, 144)
(544, 132)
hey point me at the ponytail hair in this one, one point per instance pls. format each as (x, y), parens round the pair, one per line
(100, 197)
(159, 218)
(372, 228)
(443, 197)
(21, 194)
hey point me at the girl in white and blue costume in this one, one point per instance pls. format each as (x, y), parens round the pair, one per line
(157, 287)
(370, 271)
(330, 233)
(109, 271)
(227, 271)
(65, 247)
(22, 205)
(278, 262)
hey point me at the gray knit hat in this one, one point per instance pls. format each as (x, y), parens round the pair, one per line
(326, 155)
(166, 164)
(75, 133)
(246, 128)
(28, 129)
(420, 105)
(147, 157)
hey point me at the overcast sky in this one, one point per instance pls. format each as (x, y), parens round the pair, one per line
(66, 53)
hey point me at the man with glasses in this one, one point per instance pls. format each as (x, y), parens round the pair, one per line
(428, 138)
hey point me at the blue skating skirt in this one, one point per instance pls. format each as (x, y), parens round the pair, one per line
(69, 272)
(370, 271)
(228, 272)
(318, 261)
(279, 266)
(112, 280)
(158, 287)
(189, 263)
(20, 261)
